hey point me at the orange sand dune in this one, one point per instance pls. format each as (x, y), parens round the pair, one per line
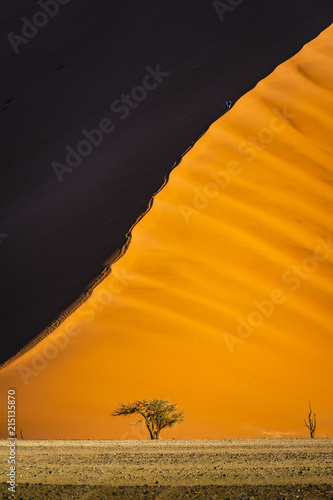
(223, 300)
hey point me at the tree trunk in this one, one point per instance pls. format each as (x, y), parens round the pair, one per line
(150, 431)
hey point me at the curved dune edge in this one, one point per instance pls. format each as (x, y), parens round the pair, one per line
(105, 272)
(216, 250)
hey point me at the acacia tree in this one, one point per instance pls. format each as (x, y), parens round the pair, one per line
(311, 423)
(156, 414)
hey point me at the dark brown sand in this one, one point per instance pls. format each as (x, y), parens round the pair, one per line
(56, 236)
(171, 469)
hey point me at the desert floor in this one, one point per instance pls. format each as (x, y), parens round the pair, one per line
(172, 469)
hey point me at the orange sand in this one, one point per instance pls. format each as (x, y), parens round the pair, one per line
(250, 201)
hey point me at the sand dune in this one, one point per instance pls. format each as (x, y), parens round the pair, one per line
(55, 236)
(223, 299)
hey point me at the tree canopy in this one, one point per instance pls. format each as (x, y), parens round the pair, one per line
(157, 414)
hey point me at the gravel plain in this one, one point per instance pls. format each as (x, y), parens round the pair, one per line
(171, 469)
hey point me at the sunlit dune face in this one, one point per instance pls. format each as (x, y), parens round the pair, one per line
(223, 301)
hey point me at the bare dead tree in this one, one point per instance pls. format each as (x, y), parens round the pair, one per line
(311, 422)
(156, 414)
(21, 433)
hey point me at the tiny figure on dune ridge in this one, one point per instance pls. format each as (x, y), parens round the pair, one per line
(228, 104)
